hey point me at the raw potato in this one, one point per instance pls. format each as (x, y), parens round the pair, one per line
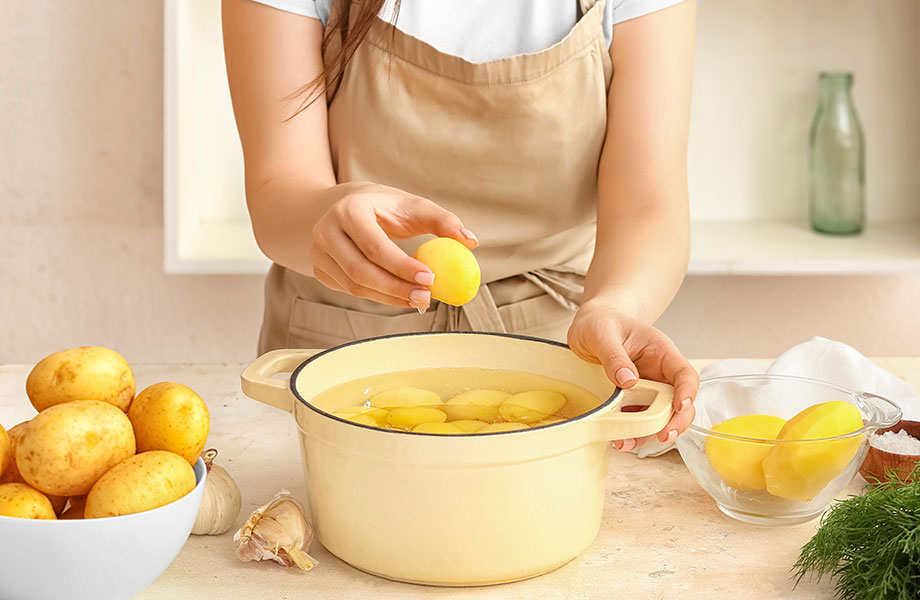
(498, 427)
(404, 397)
(366, 415)
(6, 453)
(456, 272)
(441, 428)
(67, 447)
(475, 405)
(11, 473)
(530, 407)
(469, 425)
(24, 502)
(85, 373)
(170, 416)
(409, 417)
(143, 482)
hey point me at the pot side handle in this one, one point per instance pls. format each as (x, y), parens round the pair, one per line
(257, 383)
(618, 425)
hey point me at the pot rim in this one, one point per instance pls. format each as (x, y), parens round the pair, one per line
(296, 373)
(870, 426)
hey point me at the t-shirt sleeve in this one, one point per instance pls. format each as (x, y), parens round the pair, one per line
(307, 8)
(624, 10)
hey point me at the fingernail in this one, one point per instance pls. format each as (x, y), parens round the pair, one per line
(628, 445)
(618, 444)
(420, 297)
(469, 235)
(625, 376)
(421, 311)
(684, 405)
(672, 435)
(424, 278)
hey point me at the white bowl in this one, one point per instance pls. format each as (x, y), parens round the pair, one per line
(94, 559)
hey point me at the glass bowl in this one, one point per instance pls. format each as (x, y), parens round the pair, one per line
(802, 476)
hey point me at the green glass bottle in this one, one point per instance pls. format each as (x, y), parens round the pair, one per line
(837, 160)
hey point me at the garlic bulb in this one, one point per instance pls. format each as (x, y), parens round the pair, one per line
(277, 531)
(221, 502)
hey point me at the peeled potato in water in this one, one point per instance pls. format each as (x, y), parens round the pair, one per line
(477, 405)
(365, 415)
(441, 428)
(469, 425)
(498, 427)
(530, 407)
(404, 397)
(410, 417)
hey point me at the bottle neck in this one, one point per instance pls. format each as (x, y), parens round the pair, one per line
(835, 87)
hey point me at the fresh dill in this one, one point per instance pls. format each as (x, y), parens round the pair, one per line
(870, 543)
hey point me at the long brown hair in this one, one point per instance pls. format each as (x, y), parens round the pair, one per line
(347, 26)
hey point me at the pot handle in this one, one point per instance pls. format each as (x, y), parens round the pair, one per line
(616, 424)
(257, 383)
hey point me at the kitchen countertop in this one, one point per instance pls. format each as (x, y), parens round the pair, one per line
(661, 536)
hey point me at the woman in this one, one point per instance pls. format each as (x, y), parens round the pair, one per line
(556, 130)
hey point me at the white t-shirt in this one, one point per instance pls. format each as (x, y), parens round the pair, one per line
(484, 30)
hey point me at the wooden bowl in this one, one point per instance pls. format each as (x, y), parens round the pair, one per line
(878, 460)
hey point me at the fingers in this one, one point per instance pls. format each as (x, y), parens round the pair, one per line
(617, 364)
(418, 216)
(371, 240)
(364, 273)
(328, 272)
(678, 371)
(677, 425)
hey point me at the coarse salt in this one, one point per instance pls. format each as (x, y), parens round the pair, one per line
(898, 443)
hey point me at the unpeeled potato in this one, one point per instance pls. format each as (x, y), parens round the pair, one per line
(170, 416)
(85, 373)
(142, 482)
(24, 502)
(75, 509)
(67, 447)
(11, 473)
(6, 453)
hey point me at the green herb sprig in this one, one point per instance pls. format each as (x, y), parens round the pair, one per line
(870, 543)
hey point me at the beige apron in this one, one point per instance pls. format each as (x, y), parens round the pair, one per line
(511, 146)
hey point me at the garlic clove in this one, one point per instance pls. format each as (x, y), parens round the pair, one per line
(277, 531)
(221, 501)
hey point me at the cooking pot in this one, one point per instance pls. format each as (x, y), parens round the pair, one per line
(453, 510)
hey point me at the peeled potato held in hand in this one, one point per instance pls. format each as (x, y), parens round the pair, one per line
(456, 272)
(143, 482)
(85, 373)
(24, 502)
(170, 416)
(67, 447)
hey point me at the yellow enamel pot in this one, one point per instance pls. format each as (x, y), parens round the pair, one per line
(457, 510)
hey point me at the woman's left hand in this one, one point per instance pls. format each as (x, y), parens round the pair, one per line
(629, 349)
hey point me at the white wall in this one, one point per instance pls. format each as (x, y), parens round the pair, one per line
(81, 182)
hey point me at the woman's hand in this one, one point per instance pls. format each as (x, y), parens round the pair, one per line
(353, 251)
(629, 349)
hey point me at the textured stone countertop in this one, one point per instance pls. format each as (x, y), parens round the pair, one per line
(661, 537)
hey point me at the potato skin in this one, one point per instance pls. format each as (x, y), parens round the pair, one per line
(67, 447)
(24, 502)
(11, 473)
(142, 482)
(6, 452)
(170, 416)
(85, 373)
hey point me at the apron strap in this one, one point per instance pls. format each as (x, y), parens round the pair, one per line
(584, 6)
(482, 312)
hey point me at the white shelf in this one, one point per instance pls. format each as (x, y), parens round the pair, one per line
(791, 248)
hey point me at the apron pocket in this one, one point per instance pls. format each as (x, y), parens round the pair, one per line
(539, 317)
(317, 325)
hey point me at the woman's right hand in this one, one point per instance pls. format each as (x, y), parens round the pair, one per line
(352, 249)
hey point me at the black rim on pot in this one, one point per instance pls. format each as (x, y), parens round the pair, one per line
(296, 373)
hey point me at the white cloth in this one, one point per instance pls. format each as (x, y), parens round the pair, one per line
(822, 359)
(484, 30)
